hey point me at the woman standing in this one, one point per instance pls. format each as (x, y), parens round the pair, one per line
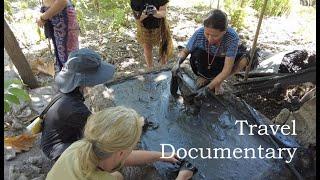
(60, 22)
(152, 28)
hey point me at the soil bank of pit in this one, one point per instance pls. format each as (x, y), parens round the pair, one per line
(213, 127)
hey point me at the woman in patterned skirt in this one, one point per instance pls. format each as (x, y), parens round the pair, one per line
(60, 23)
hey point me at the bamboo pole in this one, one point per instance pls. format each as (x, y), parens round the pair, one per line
(255, 39)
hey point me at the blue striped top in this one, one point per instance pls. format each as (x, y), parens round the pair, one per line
(228, 46)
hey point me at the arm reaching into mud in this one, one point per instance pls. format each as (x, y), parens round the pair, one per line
(215, 84)
(140, 157)
(181, 57)
(183, 54)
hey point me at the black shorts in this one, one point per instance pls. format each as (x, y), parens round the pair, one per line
(199, 63)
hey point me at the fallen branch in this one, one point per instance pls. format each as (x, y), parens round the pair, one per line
(306, 75)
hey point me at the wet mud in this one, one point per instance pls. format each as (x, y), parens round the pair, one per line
(213, 127)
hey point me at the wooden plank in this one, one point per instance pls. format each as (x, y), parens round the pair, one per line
(306, 75)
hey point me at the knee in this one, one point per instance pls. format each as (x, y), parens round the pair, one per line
(117, 175)
(243, 62)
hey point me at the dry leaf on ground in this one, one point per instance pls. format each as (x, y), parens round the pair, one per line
(20, 143)
(44, 66)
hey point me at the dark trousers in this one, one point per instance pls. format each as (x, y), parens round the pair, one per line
(199, 63)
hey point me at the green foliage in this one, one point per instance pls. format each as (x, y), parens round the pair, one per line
(111, 14)
(23, 5)
(236, 10)
(274, 7)
(14, 94)
(7, 10)
(201, 7)
(198, 18)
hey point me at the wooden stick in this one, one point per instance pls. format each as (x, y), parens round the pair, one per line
(255, 39)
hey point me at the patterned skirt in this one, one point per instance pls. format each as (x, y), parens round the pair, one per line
(156, 37)
(65, 33)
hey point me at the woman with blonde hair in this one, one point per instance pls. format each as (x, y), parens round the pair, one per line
(107, 145)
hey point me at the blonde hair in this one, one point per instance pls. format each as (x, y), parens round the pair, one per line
(108, 131)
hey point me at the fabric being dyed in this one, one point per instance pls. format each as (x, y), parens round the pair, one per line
(214, 127)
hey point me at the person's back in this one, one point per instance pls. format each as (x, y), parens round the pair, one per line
(63, 123)
(65, 119)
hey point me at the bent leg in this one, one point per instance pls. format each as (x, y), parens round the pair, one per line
(147, 48)
(240, 65)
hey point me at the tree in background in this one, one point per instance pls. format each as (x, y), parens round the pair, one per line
(17, 57)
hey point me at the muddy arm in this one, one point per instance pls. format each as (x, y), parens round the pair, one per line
(227, 68)
(140, 157)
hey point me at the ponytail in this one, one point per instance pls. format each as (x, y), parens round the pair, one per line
(87, 159)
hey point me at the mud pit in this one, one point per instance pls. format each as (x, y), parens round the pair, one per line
(213, 127)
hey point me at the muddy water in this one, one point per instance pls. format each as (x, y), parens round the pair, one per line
(213, 127)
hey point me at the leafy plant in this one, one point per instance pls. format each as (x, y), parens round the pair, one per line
(14, 94)
(237, 12)
(111, 14)
(8, 10)
(274, 7)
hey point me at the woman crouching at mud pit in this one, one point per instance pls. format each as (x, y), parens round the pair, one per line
(214, 52)
(153, 28)
(108, 141)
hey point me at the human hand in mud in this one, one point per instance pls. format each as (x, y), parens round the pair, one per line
(184, 174)
(187, 170)
(215, 86)
(202, 92)
(173, 159)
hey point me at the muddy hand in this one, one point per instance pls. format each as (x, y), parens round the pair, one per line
(172, 160)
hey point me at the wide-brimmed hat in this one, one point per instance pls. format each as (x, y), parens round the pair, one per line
(83, 68)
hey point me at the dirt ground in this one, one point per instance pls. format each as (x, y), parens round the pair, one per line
(124, 51)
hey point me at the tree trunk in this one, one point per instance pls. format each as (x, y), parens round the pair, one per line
(18, 59)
